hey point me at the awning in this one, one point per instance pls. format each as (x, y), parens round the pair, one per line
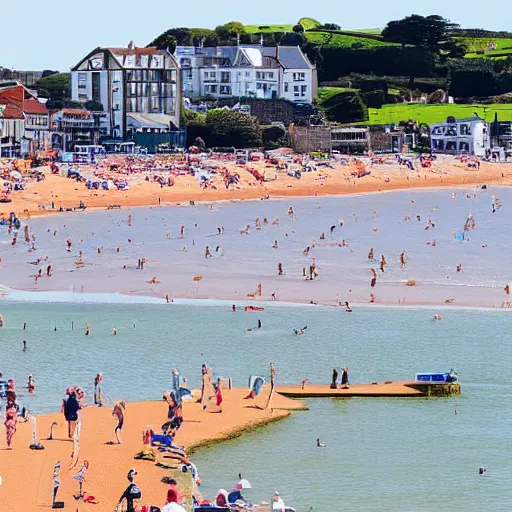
(158, 121)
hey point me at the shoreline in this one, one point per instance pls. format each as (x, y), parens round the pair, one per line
(109, 464)
(17, 296)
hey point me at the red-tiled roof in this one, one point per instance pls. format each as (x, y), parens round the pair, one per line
(75, 112)
(33, 106)
(12, 99)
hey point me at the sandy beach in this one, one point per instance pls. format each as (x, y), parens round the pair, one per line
(27, 474)
(67, 193)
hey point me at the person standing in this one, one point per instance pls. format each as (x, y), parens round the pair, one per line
(71, 408)
(131, 493)
(334, 384)
(98, 398)
(344, 378)
(11, 418)
(119, 412)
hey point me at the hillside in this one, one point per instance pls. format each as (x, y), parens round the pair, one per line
(390, 114)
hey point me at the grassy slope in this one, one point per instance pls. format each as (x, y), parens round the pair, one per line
(254, 29)
(504, 47)
(324, 93)
(436, 113)
(309, 23)
(342, 41)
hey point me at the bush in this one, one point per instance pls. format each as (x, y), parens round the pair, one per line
(343, 106)
(329, 26)
(227, 128)
(298, 28)
(273, 136)
(94, 106)
(375, 98)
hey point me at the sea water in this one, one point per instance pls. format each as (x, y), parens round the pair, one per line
(241, 262)
(414, 454)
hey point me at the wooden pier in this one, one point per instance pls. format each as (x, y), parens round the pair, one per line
(390, 390)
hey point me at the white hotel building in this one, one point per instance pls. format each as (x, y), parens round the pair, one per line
(247, 71)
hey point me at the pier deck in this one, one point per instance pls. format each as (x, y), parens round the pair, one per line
(394, 389)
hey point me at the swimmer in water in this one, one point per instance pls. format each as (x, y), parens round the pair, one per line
(275, 246)
(437, 316)
(31, 386)
(87, 331)
(279, 269)
(114, 331)
(319, 444)
(24, 345)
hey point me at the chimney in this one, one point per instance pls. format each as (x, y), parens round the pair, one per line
(238, 39)
(261, 39)
(130, 45)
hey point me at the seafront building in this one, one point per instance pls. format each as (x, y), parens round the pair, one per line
(24, 121)
(247, 71)
(138, 90)
(463, 136)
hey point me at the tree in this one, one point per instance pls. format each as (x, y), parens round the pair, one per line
(427, 32)
(330, 26)
(94, 106)
(228, 128)
(229, 30)
(184, 36)
(273, 136)
(293, 39)
(342, 106)
(55, 87)
(298, 28)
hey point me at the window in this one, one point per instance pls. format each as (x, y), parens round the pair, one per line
(116, 76)
(82, 76)
(438, 144)
(210, 76)
(210, 89)
(451, 131)
(225, 90)
(465, 129)
(286, 85)
(225, 77)
(247, 74)
(82, 96)
(438, 130)
(299, 77)
(464, 146)
(451, 145)
(258, 75)
(303, 89)
(296, 90)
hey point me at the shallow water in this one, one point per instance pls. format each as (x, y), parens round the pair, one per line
(382, 454)
(244, 261)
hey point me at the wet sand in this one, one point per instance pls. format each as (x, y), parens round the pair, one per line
(27, 474)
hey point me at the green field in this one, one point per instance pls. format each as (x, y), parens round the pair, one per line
(479, 47)
(324, 93)
(267, 29)
(343, 41)
(390, 114)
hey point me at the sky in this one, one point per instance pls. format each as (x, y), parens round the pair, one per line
(37, 35)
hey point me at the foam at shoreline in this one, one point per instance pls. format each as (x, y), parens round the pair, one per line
(10, 295)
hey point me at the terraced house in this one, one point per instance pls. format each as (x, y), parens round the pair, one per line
(247, 71)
